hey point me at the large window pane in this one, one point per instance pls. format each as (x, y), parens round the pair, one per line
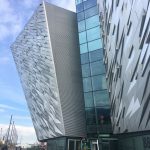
(83, 48)
(92, 22)
(93, 34)
(101, 98)
(90, 116)
(91, 12)
(89, 3)
(94, 45)
(96, 55)
(84, 58)
(81, 26)
(82, 37)
(97, 68)
(86, 70)
(88, 98)
(103, 115)
(80, 16)
(87, 84)
(99, 82)
(78, 2)
(79, 7)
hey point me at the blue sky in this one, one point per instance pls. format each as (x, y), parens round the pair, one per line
(14, 15)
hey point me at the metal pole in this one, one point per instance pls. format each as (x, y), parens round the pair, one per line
(9, 129)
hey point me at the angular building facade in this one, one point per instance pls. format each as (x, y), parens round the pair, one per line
(86, 75)
(47, 57)
(126, 26)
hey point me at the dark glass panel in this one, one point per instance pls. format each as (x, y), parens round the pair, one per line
(80, 16)
(84, 58)
(90, 116)
(103, 115)
(86, 70)
(79, 7)
(96, 55)
(91, 12)
(97, 68)
(99, 82)
(89, 3)
(88, 98)
(101, 98)
(87, 84)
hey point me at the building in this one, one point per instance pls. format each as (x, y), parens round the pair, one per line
(93, 92)
(47, 57)
(126, 26)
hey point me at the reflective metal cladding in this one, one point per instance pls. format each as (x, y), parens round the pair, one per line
(47, 58)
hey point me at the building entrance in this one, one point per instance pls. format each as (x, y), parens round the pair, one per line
(74, 144)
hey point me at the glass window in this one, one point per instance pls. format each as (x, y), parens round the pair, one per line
(96, 55)
(97, 68)
(79, 7)
(99, 82)
(89, 3)
(93, 34)
(84, 58)
(91, 12)
(78, 2)
(101, 98)
(80, 16)
(87, 84)
(90, 116)
(88, 98)
(94, 45)
(86, 70)
(81, 26)
(103, 115)
(83, 48)
(82, 37)
(92, 22)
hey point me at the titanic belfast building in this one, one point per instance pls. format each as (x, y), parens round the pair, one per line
(86, 75)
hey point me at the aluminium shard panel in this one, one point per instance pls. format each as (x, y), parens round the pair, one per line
(32, 53)
(126, 26)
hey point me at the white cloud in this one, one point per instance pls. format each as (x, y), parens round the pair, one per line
(6, 107)
(25, 134)
(4, 60)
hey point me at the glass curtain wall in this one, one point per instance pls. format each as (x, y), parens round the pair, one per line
(96, 98)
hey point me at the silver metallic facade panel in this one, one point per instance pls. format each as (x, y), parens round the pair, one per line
(64, 39)
(126, 35)
(33, 55)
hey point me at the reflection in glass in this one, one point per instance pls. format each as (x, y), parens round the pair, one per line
(92, 22)
(81, 26)
(84, 58)
(80, 16)
(87, 84)
(97, 44)
(93, 34)
(82, 37)
(103, 115)
(89, 3)
(96, 55)
(101, 98)
(83, 48)
(79, 7)
(99, 82)
(86, 70)
(88, 98)
(90, 116)
(97, 68)
(91, 12)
